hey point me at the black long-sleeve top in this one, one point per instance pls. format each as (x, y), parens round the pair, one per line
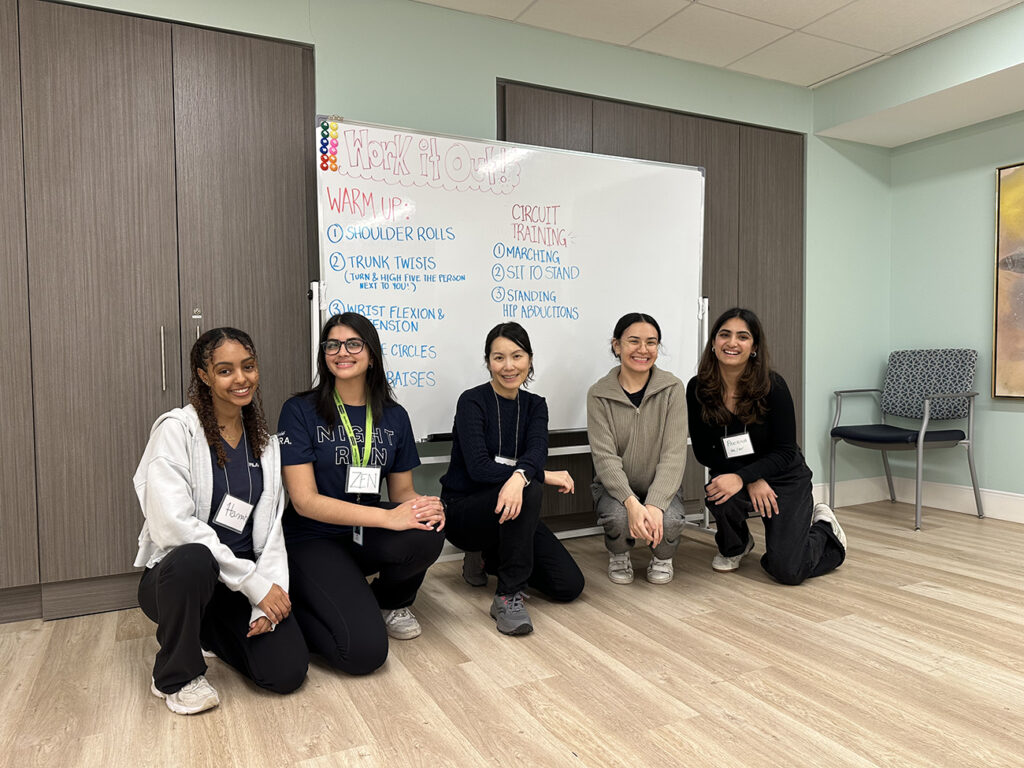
(476, 440)
(775, 449)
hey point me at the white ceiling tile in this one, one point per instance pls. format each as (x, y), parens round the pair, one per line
(803, 59)
(786, 13)
(889, 25)
(709, 36)
(500, 9)
(612, 21)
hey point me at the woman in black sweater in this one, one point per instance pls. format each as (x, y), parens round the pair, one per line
(492, 489)
(743, 429)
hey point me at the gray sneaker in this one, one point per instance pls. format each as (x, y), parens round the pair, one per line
(826, 513)
(510, 613)
(660, 571)
(473, 569)
(194, 697)
(620, 569)
(724, 564)
(401, 624)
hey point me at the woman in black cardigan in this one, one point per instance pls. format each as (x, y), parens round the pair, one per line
(743, 429)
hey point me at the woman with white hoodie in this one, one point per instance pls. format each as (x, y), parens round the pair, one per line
(216, 573)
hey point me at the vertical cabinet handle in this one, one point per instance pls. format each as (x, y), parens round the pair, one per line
(163, 362)
(197, 332)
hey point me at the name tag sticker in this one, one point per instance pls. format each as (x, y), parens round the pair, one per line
(504, 460)
(362, 480)
(233, 513)
(738, 445)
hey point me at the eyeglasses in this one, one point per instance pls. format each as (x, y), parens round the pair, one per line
(352, 346)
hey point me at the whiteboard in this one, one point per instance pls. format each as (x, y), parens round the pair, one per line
(436, 239)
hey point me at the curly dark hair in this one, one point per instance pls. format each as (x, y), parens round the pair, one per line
(754, 383)
(378, 390)
(199, 395)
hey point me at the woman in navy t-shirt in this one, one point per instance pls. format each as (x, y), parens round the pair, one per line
(338, 442)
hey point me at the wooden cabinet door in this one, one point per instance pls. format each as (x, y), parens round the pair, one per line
(242, 131)
(771, 247)
(19, 562)
(626, 130)
(547, 118)
(102, 269)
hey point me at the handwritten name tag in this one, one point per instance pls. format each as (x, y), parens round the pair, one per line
(738, 445)
(233, 513)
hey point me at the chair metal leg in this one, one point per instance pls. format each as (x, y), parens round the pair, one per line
(974, 479)
(888, 476)
(832, 474)
(917, 490)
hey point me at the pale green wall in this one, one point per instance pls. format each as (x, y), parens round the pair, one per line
(847, 293)
(944, 196)
(427, 68)
(985, 47)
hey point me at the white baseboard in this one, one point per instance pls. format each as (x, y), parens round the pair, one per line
(1000, 505)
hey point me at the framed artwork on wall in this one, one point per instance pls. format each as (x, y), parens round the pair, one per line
(1008, 331)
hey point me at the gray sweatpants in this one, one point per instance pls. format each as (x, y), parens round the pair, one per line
(613, 517)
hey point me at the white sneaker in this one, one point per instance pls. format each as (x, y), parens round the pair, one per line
(620, 569)
(196, 696)
(401, 624)
(724, 564)
(660, 571)
(825, 512)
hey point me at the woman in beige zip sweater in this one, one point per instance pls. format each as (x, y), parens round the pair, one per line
(636, 423)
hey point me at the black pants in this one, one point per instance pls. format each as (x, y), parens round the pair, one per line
(338, 611)
(193, 610)
(794, 549)
(521, 551)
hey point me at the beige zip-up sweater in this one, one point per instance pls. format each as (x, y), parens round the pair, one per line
(638, 451)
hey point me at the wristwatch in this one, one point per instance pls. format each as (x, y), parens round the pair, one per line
(526, 480)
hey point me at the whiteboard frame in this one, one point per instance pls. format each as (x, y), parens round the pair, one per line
(319, 306)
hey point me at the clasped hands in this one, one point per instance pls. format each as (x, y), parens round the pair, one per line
(277, 605)
(646, 521)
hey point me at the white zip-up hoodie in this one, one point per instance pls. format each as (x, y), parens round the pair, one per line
(174, 483)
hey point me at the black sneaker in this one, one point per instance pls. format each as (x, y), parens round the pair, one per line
(510, 613)
(473, 569)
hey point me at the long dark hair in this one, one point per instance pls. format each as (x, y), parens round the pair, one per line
(201, 398)
(379, 394)
(753, 385)
(627, 320)
(515, 333)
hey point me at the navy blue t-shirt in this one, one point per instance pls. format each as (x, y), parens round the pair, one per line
(308, 439)
(242, 476)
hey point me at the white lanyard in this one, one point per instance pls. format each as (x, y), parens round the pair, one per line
(248, 472)
(508, 461)
(234, 513)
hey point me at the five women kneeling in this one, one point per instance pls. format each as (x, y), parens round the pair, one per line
(217, 576)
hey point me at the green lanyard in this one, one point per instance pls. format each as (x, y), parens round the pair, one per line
(360, 460)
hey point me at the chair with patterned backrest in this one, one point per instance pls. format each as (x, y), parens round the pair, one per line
(924, 384)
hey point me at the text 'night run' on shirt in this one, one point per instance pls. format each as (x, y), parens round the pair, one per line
(307, 439)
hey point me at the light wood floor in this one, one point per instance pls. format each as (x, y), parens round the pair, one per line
(911, 654)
